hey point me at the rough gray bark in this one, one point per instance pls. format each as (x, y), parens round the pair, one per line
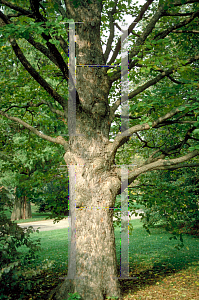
(21, 209)
(96, 265)
(96, 183)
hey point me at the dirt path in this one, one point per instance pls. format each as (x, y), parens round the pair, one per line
(46, 225)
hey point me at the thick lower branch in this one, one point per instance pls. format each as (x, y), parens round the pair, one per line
(120, 139)
(163, 164)
(58, 140)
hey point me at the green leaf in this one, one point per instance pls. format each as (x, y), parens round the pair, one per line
(196, 131)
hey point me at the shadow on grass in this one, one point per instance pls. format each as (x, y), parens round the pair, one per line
(154, 257)
(152, 275)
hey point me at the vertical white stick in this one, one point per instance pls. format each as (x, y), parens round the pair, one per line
(124, 83)
(71, 84)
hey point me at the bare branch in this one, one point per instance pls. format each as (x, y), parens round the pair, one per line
(163, 164)
(42, 49)
(169, 150)
(149, 83)
(178, 14)
(31, 70)
(186, 31)
(138, 44)
(111, 35)
(61, 9)
(58, 140)
(127, 117)
(163, 34)
(121, 139)
(131, 27)
(17, 8)
(179, 2)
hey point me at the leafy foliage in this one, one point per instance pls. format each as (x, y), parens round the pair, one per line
(12, 237)
(170, 199)
(54, 197)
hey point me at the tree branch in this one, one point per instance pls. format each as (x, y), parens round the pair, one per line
(174, 80)
(121, 139)
(58, 140)
(149, 83)
(163, 34)
(179, 2)
(36, 75)
(111, 35)
(168, 151)
(30, 104)
(123, 30)
(127, 117)
(192, 165)
(138, 44)
(186, 31)
(177, 14)
(63, 44)
(130, 29)
(163, 164)
(17, 8)
(35, 5)
(51, 52)
(61, 9)
(42, 49)
(31, 70)
(54, 110)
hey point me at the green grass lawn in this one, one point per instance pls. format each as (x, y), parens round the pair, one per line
(145, 251)
(152, 258)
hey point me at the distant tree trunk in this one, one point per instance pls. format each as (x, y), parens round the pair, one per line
(21, 209)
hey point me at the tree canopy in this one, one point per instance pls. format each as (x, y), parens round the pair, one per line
(163, 71)
(155, 86)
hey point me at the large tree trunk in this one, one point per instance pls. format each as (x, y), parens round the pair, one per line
(92, 270)
(21, 209)
(94, 182)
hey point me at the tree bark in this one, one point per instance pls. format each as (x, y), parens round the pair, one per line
(21, 209)
(94, 182)
(92, 270)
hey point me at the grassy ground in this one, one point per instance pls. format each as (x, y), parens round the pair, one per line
(162, 271)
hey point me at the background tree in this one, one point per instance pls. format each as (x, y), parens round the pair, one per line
(158, 57)
(12, 259)
(26, 176)
(170, 199)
